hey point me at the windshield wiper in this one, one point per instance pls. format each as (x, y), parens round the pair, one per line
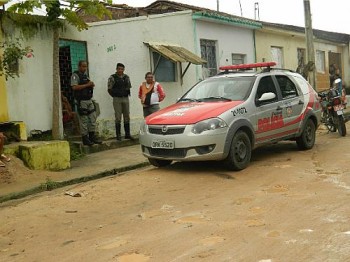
(188, 99)
(215, 98)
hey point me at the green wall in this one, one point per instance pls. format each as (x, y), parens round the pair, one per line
(77, 51)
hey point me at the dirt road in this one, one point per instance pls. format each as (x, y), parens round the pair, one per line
(288, 205)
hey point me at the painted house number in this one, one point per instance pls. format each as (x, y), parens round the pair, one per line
(111, 48)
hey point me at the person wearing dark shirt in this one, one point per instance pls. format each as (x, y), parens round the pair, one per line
(83, 89)
(119, 86)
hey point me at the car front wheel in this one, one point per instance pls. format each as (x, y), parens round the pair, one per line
(240, 152)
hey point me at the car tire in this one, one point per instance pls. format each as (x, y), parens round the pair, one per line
(307, 138)
(240, 152)
(159, 162)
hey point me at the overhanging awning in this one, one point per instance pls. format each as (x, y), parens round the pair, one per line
(176, 53)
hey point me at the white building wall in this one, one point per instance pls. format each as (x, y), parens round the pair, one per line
(109, 42)
(30, 95)
(230, 39)
(122, 41)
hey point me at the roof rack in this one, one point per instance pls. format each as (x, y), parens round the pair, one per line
(242, 67)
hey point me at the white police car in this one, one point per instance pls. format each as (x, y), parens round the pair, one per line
(226, 116)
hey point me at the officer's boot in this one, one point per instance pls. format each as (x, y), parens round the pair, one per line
(87, 141)
(94, 139)
(117, 132)
(127, 131)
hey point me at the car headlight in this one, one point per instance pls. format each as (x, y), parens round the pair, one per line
(208, 124)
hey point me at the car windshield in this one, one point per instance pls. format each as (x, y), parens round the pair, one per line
(223, 88)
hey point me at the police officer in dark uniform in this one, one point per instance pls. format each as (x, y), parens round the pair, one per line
(83, 91)
(119, 88)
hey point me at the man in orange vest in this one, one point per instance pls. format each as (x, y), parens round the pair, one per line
(151, 94)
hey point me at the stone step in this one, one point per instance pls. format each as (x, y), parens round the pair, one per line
(42, 155)
(106, 145)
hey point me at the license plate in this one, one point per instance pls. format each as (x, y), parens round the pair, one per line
(338, 108)
(164, 144)
(340, 112)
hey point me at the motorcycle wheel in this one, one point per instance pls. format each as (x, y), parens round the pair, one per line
(341, 126)
(327, 119)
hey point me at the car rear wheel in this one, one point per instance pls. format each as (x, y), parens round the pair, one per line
(159, 162)
(240, 152)
(307, 139)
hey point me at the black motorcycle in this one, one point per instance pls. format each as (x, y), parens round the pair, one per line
(333, 111)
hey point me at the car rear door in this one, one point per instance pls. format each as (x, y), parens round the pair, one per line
(292, 102)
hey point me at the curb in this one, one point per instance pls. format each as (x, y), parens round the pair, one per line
(51, 185)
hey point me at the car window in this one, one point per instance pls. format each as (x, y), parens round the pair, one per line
(232, 88)
(266, 85)
(287, 87)
(302, 83)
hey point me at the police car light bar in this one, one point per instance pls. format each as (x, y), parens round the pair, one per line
(247, 66)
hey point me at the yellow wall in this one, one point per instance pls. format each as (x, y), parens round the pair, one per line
(3, 95)
(290, 42)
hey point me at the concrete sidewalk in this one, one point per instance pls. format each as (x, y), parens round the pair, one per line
(92, 166)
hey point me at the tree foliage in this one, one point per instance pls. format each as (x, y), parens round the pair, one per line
(13, 52)
(66, 10)
(56, 13)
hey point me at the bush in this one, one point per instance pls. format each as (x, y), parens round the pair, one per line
(75, 153)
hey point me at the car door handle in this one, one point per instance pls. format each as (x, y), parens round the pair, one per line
(279, 108)
(301, 102)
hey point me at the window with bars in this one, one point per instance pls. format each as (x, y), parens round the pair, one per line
(320, 61)
(277, 56)
(208, 53)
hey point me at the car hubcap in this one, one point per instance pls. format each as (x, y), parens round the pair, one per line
(241, 150)
(309, 134)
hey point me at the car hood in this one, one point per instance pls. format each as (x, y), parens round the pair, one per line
(185, 113)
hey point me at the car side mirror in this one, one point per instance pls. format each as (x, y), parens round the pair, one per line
(267, 96)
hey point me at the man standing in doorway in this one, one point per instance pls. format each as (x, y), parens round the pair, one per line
(83, 89)
(119, 86)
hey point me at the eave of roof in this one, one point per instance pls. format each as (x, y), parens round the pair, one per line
(200, 13)
(319, 34)
(232, 20)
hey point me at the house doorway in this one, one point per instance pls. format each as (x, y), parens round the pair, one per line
(70, 53)
(335, 66)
